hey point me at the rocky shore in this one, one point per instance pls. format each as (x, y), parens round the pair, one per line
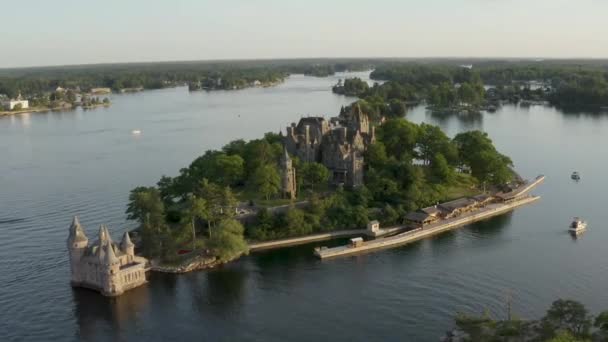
(196, 263)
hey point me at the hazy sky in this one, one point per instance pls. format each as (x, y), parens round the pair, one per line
(55, 32)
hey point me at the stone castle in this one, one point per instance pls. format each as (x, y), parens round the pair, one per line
(104, 266)
(338, 144)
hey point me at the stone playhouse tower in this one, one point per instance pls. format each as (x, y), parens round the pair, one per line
(104, 266)
(288, 176)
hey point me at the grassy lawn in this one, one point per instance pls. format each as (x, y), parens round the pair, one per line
(246, 194)
(464, 185)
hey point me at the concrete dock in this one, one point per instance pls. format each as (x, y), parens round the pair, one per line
(426, 231)
(267, 245)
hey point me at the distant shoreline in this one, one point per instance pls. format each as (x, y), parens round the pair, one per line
(50, 109)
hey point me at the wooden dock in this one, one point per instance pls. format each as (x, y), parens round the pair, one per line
(432, 229)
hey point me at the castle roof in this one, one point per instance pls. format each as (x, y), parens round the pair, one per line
(285, 156)
(110, 257)
(76, 232)
(126, 242)
(101, 235)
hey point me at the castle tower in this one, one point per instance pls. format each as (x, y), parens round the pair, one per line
(126, 245)
(111, 279)
(358, 120)
(355, 172)
(77, 243)
(288, 176)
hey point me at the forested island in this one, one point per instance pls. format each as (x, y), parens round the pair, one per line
(448, 87)
(565, 321)
(228, 197)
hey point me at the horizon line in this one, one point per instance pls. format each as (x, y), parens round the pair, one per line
(225, 60)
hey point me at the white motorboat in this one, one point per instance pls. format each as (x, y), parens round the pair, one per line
(577, 226)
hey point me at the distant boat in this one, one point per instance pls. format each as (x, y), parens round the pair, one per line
(575, 176)
(577, 226)
(136, 132)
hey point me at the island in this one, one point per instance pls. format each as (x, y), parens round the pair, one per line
(319, 176)
(467, 87)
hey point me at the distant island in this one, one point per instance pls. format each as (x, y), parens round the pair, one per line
(320, 176)
(448, 87)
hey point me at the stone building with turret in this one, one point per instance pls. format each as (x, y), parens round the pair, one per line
(288, 176)
(338, 144)
(103, 265)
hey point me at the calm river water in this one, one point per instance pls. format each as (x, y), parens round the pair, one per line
(56, 165)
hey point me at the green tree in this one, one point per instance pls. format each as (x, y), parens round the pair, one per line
(441, 170)
(146, 207)
(476, 151)
(266, 180)
(565, 336)
(375, 155)
(601, 322)
(399, 137)
(432, 140)
(567, 315)
(314, 173)
(227, 242)
(296, 223)
(197, 209)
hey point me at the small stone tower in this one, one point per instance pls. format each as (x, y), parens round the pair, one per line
(355, 174)
(77, 245)
(104, 266)
(127, 246)
(111, 282)
(288, 176)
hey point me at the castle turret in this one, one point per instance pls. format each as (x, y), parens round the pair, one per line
(77, 244)
(126, 245)
(111, 278)
(101, 235)
(288, 176)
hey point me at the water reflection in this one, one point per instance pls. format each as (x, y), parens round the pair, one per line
(225, 290)
(491, 227)
(92, 310)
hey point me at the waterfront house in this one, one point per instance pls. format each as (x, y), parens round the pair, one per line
(12, 103)
(419, 218)
(433, 211)
(457, 207)
(483, 200)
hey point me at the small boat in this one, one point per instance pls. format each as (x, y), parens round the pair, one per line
(136, 132)
(575, 176)
(577, 226)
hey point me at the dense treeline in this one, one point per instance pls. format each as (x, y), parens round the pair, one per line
(452, 86)
(565, 321)
(211, 75)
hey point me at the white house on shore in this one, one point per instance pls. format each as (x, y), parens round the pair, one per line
(11, 103)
